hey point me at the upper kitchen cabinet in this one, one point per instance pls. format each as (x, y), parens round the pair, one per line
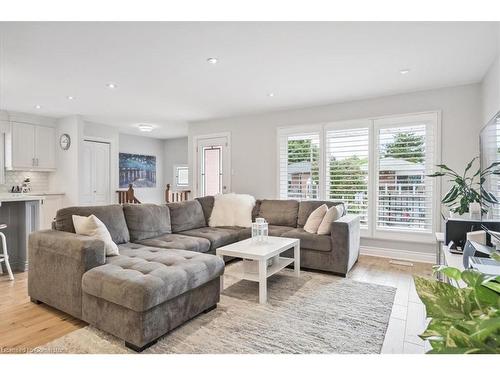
(30, 147)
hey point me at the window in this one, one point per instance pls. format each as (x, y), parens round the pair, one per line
(299, 166)
(377, 167)
(347, 169)
(404, 193)
(181, 173)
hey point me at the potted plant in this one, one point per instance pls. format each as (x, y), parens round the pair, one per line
(467, 187)
(463, 320)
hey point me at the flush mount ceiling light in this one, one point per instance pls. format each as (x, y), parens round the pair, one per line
(38, 106)
(69, 97)
(212, 60)
(145, 127)
(111, 85)
(271, 94)
(404, 71)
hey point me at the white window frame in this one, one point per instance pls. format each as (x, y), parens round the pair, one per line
(430, 119)
(366, 231)
(176, 166)
(433, 118)
(300, 130)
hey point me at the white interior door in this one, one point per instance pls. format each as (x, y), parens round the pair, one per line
(101, 176)
(213, 166)
(95, 181)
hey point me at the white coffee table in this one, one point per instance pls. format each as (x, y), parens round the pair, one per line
(261, 252)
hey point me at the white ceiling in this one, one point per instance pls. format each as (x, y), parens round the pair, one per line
(163, 78)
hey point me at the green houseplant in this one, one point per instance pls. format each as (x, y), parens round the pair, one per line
(467, 187)
(463, 320)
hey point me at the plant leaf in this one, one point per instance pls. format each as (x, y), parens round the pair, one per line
(442, 300)
(451, 272)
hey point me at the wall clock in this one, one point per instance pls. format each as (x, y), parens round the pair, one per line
(65, 141)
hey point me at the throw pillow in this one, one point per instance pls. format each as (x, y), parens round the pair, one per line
(92, 226)
(232, 210)
(333, 214)
(314, 220)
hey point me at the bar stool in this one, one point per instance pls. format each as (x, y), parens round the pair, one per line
(4, 257)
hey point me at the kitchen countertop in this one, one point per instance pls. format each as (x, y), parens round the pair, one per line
(19, 197)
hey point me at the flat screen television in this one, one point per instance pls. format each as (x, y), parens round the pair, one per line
(490, 184)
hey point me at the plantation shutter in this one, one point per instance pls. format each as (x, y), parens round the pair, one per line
(405, 155)
(299, 158)
(490, 153)
(347, 167)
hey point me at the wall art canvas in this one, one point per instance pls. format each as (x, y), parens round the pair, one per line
(138, 170)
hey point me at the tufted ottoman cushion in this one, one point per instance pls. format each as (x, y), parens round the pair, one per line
(143, 277)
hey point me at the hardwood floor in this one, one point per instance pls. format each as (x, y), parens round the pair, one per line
(25, 325)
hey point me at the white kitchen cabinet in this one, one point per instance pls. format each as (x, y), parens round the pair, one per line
(30, 147)
(45, 148)
(49, 207)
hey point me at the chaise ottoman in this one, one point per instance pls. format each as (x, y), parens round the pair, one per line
(145, 292)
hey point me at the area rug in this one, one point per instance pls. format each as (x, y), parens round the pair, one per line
(316, 313)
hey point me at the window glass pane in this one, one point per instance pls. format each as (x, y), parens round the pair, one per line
(404, 191)
(300, 167)
(347, 169)
(182, 176)
(212, 170)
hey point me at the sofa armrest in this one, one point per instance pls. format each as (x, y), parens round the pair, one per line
(88, 250)
(345, 238)
(57, 261)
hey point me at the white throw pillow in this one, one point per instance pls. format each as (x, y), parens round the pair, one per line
(314, 220)
(92, 226)
(232, 210)
(333, 214)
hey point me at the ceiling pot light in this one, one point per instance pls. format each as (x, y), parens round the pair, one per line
(38, 106)
(145, 127)
(69, 97)
(271, 94)
(212, 60)
(404, 71)
(111, 85)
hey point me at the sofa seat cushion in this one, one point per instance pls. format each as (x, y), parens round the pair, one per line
(142, 277)
(278, 230)
(217, 236)
(243, 233)
(310, 241)
(178, 241)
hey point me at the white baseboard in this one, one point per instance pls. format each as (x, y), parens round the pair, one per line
(398, 254)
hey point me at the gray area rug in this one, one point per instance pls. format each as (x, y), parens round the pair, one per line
(316, 313)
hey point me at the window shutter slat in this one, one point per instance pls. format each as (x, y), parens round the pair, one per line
(347, 169)
(299, 166)
(404, 193)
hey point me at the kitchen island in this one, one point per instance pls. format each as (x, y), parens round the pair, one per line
(21, 213)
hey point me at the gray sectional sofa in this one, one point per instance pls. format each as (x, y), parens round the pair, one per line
(166, 272)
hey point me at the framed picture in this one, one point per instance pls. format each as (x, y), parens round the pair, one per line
(138, 170)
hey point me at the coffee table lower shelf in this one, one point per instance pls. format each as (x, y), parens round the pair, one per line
(274, 268)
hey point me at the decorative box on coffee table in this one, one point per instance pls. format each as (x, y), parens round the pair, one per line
(261, 252)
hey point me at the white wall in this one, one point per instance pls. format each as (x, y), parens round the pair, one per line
(66, 178)
(253, 138)
(175, 152)
(490, 89)
(147, 146)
